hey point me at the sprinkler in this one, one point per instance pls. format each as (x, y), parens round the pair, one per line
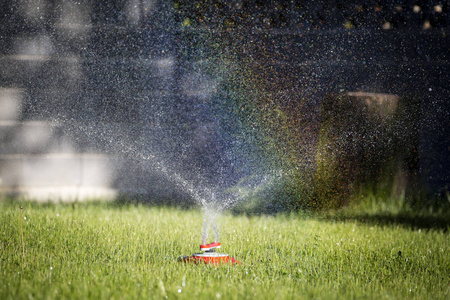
(210, 256)
(210, 247)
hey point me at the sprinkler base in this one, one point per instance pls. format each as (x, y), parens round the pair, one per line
(209, 256)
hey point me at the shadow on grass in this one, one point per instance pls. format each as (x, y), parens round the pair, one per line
(407, 221)
(174, 202)
(413, 221)
(121, 201)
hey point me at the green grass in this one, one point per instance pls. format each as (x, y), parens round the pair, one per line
(110, 251)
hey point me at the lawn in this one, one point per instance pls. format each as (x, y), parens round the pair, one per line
(118, 251)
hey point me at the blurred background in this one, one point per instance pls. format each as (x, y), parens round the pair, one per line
(340, 98)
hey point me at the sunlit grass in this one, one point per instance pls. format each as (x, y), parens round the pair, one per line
(108, 251)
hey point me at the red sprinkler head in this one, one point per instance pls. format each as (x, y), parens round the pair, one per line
(210, 256)
(210, 247)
